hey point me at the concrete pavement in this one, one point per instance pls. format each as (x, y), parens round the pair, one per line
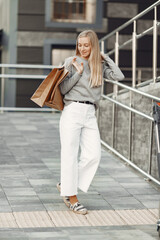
(121, 204)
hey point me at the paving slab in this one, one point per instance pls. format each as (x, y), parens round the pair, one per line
(29, 171)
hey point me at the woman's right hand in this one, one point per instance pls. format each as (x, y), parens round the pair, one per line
(78, 66)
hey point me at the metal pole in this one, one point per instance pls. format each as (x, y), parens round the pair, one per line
(157, 137)
(115, 89)
(116, 59)
(130, 129)
(155, 45)
(102, 46)
(134, 55)
(2, 88)
(102, 50)
(113, 123)
(116, 49)
(150, 148)
(139, 76)
(102, 88)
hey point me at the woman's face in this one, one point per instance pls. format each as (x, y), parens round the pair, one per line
(84, 47)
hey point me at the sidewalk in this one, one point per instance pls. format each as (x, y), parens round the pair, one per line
(121, 204)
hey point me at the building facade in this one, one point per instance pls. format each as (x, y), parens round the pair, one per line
(45, 31)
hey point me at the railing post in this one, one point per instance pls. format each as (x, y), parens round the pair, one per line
(150, 148)
(130, 130)
(115, 88)
(117, 49)
(116, 59)
(2, 89)
(134, 49)
(102, 88)
(113, 123)
(102, 50)
(155, 45)
(102, 46)
(139, 77)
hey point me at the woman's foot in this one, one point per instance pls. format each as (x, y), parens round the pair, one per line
(78, 208)
(72, 203)
(73, 199)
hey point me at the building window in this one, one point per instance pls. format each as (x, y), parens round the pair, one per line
(73, 11)
(60, 54)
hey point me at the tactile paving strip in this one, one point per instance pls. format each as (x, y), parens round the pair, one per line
(33, 219)
(68, 218)
(7, 220)
(104, 218)
(41, 219)
(155, 212)
(137, 217)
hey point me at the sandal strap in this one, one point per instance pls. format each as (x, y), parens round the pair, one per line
(77, 207)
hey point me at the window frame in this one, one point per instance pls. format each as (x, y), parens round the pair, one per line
(48, 45)
(55, 24)
(70, 16)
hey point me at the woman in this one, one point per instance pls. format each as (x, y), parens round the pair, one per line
(78, 124)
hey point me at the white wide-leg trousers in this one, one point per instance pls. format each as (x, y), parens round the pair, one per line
(78, 128)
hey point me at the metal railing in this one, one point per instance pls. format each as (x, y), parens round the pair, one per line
(131, 110)
(113, 97)
(4, 76)
(134, 39)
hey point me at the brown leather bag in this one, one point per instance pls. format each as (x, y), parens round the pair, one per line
(48, 93)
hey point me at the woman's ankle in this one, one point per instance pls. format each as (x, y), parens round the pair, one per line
(73, 199)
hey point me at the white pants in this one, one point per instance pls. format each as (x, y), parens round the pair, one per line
(78, 128)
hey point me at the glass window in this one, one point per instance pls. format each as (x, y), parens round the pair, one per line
(73, 11)
(59, 55)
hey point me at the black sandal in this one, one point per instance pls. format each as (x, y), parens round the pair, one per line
(78, 208)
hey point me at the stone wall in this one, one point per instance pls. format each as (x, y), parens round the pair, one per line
(141, 127)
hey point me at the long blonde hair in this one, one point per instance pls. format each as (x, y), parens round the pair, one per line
(95, 58)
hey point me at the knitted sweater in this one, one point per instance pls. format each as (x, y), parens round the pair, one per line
(76, 87)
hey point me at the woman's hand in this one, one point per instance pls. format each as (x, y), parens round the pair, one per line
(78, 66)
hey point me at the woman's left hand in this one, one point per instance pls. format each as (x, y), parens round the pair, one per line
(78, 66)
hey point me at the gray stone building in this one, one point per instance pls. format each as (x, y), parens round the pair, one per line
(45, 31)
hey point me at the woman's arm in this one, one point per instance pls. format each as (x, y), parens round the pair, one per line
(112, 71)
(71, 79)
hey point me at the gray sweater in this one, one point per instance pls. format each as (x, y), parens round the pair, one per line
(75, 86)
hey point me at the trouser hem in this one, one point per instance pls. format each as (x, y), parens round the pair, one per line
(68, 195)
(83, 190)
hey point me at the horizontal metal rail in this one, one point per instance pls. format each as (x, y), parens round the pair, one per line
(129, 162)
(138, 36)
(148, 69)
(131, 20)
(31, 66)
(142, 84)
(22, 76)
(133, 90)
(128, 108)
(22, 109)
(145, 32)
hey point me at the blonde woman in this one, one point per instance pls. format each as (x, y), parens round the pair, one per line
(78, 124)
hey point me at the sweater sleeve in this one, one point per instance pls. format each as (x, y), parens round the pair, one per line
(111, 70)
(71, 79)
